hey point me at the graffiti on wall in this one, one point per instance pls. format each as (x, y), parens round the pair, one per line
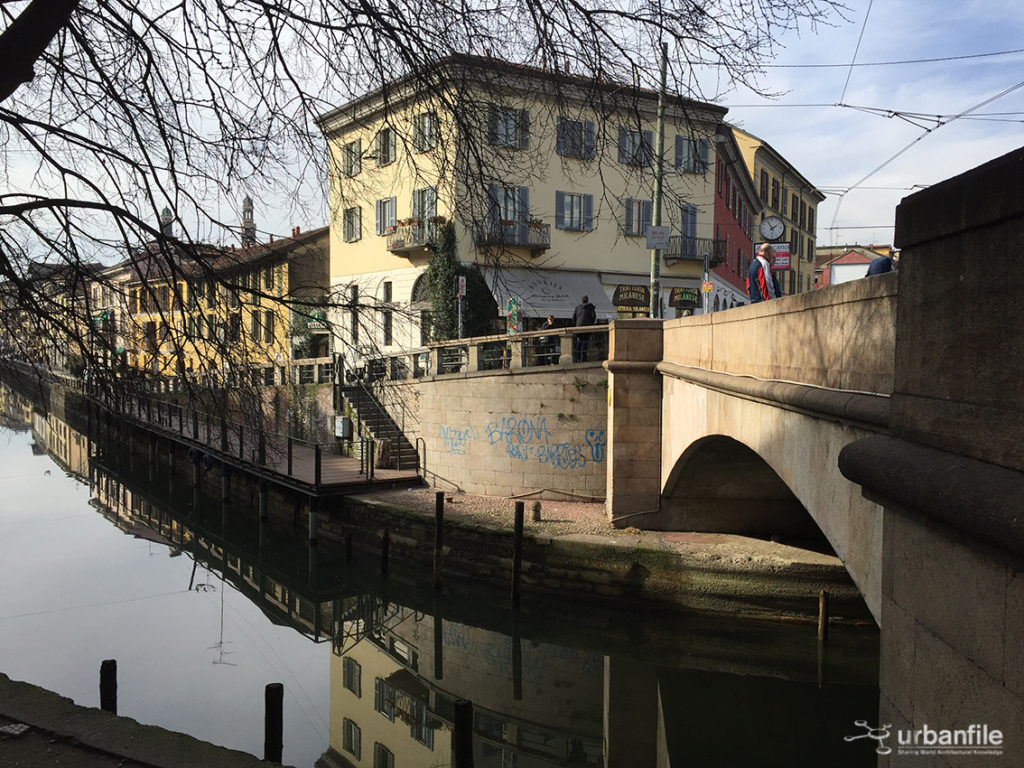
(528, 439)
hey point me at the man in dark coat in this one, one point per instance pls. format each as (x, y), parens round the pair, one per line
(585, 314)
(880, 266)
(761, 281)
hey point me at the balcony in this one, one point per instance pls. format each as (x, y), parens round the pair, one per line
(510, 234)
(693, 249)
(411, 237)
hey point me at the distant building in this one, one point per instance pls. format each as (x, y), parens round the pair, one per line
(841, 263)
(787, 194)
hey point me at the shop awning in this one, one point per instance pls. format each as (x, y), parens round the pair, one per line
(543, 292)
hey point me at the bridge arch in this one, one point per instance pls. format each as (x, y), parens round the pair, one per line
(720, 485)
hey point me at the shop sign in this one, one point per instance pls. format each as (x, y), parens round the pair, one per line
(630, 297)
(685, 298)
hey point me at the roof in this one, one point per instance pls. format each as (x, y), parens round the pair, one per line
(465, 67)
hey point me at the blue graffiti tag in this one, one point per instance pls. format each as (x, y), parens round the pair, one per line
(563, 456)
(597, 443)
(454, 439)
(511, 430)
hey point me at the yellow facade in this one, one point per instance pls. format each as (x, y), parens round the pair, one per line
(785, 193)
(528, 165)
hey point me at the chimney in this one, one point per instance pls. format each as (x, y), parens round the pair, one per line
(166, 223)
(248, 223)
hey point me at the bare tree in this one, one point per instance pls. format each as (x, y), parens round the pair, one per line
(112, 111)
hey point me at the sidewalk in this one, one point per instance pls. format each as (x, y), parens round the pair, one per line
(61, 733)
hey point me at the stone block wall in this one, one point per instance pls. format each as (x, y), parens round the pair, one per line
(506, 433)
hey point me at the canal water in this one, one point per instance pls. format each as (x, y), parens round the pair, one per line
(200, 619)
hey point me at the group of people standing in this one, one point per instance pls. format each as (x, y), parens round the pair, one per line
(584, 314)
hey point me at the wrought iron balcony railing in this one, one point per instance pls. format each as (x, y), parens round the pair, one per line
(693, 249)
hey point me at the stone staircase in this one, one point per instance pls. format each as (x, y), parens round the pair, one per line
(374, 418)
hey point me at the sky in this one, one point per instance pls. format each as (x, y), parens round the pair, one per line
(874, 157)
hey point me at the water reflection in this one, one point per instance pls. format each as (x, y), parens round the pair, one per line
(559, 683)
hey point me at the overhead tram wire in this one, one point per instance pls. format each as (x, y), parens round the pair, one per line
(856, 50)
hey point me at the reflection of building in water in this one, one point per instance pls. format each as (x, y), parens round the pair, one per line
(392, 701)
(282, 600)
(15, 410)
(66, 446)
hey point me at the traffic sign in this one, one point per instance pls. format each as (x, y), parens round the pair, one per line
(657, 237)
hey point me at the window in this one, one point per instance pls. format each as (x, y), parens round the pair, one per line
(692, 154)
(636, 147)
(268, 327)
(719, 175)
(810, 219)
(234, 327)
(385, 148)
(785, 208)
(382, 756)
(385, 220)
(424, 203)
(509, 127)
(424, 131)
(574, 212)
(764, 186)
(803, 215)
(508, 207)
(795, 210)
(810, 249)
(352, 158)
(638, 217)
(384, 699)
(353, 299)
(351, 738)
(352, 224)
(255, 325)
(775, 193)
(386, 320)
(351, 675)
(575, 138)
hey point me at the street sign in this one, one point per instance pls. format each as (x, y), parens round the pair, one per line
(460, 285)
(707, 286)
(657, 237)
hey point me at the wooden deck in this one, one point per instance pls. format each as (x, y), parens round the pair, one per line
(276, 456)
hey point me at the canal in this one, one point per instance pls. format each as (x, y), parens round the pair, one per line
(200, 618)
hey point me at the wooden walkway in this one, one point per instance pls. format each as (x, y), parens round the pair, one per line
(276, 456)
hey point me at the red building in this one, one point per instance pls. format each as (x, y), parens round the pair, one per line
(737, 206)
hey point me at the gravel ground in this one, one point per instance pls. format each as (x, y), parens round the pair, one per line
(556, 517)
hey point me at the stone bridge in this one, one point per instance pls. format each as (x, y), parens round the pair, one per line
(887, 414)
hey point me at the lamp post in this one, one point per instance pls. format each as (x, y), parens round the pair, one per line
(659, 173)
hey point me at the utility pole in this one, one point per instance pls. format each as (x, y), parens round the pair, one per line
(659, 173)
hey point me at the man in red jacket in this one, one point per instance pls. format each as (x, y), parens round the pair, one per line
(761, 281)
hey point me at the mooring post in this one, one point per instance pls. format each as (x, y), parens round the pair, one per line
(517, 551)
(108, 686)
(241, 442)
(385, 547)
(273, 722)
(438, 536)
(195, 426)
(263, 499)
(462, 734)
(823, 616)
(317, 468)
(225, 483)
(289, 455)
(313, 520)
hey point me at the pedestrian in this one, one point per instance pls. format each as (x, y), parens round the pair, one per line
(761, 281)
(549, 344)
(585, 314)
(880, 266)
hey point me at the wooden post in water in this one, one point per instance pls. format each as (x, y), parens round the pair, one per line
(273, 722)
(823, 617)
(517, 551)
(241, 442)
(263, 499)
(317, 467)
(108, 686)
(289, 455)
(385, 551)
(438, 536)
(462, 734)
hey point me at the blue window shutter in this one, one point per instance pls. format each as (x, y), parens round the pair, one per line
(493, 213)
(559, 210)
(560, 139)
(648, 215)
(378, 225)
(588, 139)
(679, 151)
(648, 149)
(523, 209)
(523, 129)
(588, 212)
(704, 152)
(622, 145)
(629, 216)
(391, 211)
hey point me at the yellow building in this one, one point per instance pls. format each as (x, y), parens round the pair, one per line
(548, 179)
(227, 310)
(790, 202)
